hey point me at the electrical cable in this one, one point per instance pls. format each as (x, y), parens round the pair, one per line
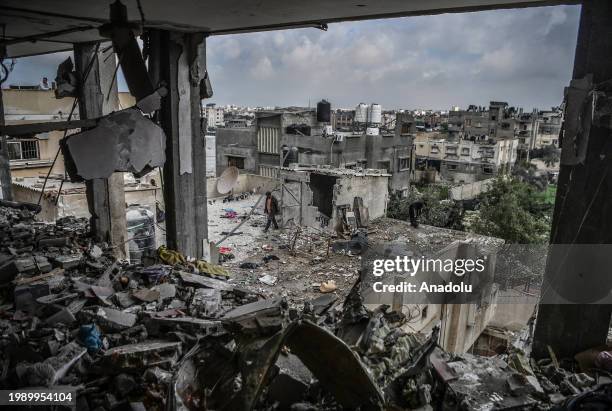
(74, 104)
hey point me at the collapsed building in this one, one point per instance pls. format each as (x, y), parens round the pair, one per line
(181, 334)
(79, 308)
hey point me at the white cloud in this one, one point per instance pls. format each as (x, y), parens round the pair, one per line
(231, 49)
(523, 56)
(262, 69)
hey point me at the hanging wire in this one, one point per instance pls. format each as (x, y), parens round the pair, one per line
(74, 104)
(141, 11)
(5, 70)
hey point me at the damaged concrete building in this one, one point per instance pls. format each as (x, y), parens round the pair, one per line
(32, 155)
(175, 332)
(303, 136)
(481, 143)
(463, 161)
(328, 197)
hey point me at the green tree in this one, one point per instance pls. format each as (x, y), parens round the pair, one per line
(514, 211)
(550, 154)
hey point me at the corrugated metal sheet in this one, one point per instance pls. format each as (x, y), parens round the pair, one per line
(268, 140)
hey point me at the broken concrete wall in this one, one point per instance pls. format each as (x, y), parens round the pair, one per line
(245, 183)
(75, 203)
(237, 142)
(296, 199)
(510, 315)
(387, 150)
(374, 190)
(322, 187)
(469, 191)
(27, 195)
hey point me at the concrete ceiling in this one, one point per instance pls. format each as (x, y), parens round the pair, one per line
(63, 22)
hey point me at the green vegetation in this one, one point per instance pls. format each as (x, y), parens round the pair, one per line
(550, 194)
(550, 154)
(516, 211)
(439, 210)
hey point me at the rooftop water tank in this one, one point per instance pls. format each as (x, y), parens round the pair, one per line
(375, 114)
(323, 111)
(361, 113)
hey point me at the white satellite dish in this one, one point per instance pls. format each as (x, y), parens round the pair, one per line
(227, 180)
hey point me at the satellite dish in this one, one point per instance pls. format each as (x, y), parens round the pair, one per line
(228, 180)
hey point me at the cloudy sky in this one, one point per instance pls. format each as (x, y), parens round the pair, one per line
(522, 56)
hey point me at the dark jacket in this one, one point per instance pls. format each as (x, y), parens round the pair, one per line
(274, 206)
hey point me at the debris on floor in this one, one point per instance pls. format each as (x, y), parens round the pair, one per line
(187, 335)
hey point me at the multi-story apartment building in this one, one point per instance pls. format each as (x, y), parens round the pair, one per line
(214, 115)
(466, 161)
(296, 135)
(343, 119)
(549, 128)
(534, 130)
(477, 123)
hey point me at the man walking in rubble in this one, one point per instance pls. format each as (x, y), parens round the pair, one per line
(271, 209)
(414, 211)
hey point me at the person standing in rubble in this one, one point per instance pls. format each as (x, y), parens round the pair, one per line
(414, 211)
(271, 209)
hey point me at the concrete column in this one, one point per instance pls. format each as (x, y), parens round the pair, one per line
(178, 61)
(583, 203)
(105, 197)
(5, 167)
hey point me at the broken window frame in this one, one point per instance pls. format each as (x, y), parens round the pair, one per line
(235, 161)
(20, 143)
(406, 127)
(403, 164)
(384, 165)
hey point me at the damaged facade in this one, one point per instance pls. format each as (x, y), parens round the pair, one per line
(32, 154)
(330, 197)
(463, 161)
(297, 136)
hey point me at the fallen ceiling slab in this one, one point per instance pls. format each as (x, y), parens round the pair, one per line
(125, 140)
(63, 22)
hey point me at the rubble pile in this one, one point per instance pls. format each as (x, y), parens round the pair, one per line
(182, 334)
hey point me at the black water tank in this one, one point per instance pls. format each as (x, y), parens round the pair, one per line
(323, 111)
